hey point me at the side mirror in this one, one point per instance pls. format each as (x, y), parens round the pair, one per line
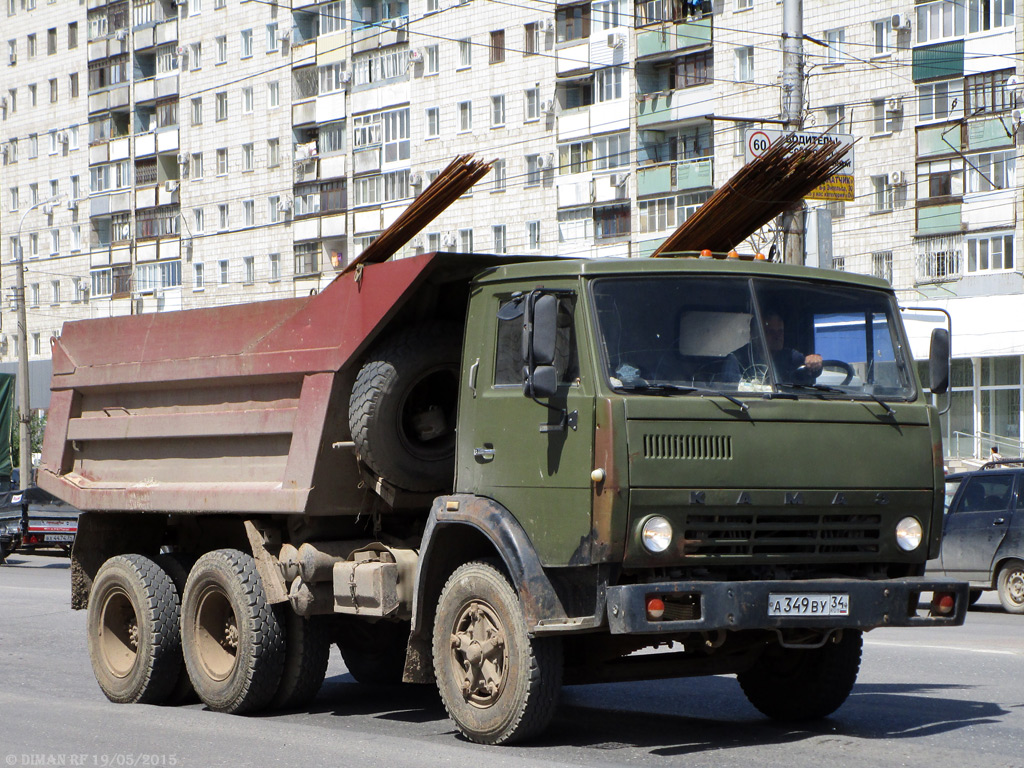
(540, 326)
(939, 361)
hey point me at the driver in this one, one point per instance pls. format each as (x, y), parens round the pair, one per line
(791, 366)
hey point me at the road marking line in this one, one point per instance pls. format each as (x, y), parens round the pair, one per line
(944, 648)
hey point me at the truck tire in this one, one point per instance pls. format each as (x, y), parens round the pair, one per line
(133, 631)
(804, 684)
(374, 653)
(233, 642)
(307, 650)
(1010, 586)
(403, 407)
(177, 565)
(498, 684)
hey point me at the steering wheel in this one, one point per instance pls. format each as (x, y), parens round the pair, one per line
(846, 367)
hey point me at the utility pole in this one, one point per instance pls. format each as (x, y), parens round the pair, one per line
(24, 406)
(792, 114)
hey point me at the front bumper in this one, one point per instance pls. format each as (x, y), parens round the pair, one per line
(740, 605)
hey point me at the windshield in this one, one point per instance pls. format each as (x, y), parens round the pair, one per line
(758, 335)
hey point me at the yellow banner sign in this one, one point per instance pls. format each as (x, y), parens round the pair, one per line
(839, 187)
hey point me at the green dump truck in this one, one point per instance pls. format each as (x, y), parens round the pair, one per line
(500, 475)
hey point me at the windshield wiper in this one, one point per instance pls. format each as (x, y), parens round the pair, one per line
(681, 389)
(852, 395)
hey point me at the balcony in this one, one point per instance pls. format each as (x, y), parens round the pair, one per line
(671, 38)
(380, 34)
(682, 176)
(673, 106)
(940, 259)
(939, 219)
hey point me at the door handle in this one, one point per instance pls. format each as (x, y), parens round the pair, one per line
(483, 454)
(999, 521)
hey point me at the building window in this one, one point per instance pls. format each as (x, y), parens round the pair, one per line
(606, 14)
(835, 119)
(611, 221)
(197, 110)
(246, 43)
(940, 101)
(988, 92)
(497, 111)
(273, 94)
(983, 16)
(198, 278)
(608, 84)
(940, 178)
(31, 46)
(882, 201)
(249, 268)
(333, 196)
(433, 119)
(198, 221)
(73, 85)
(222, 106)
(273, 153)
(577, 93)
(885, 120)
(465, 240)
(575, 157)
(465, 115)
(534, 171)
(431, 60)
(53, 90)
(498, 174)
(367, 190)
(497, 51)
(572, 23)
(222, 49)
(248, 213)
(532, 111)
(611, 151)
(396, 185)
(532, 41)
(939, 20)
(881, 265)
(222, 270)
(744, 5)
(223, 217)
(167, 113)
(54, 242)
(273, 43)
(274, 262)
(694, 70)
(745, 63)
(498, 235)
(197, 165)
(222, 162)
(835, 39)
(989, 171)
(73, 34)
(883, 36)
(465, 53)
(275, 211)
(307, 258)
(989, 253)
(533, 235)
(332, 18)
(195, 58)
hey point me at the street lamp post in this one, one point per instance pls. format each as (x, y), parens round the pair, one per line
(24, 407)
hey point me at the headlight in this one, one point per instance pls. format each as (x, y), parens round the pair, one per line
(909, 534)
(656, 534)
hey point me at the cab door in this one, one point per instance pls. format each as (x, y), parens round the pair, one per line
(534, 458)
(977, 524)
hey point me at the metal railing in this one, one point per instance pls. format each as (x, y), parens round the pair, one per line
(978, 445)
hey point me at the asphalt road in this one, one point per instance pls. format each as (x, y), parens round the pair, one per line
(941, 698)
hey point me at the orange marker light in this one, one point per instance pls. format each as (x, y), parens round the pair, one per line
(733, 255)
(655, 607)
(760, 257)
(706, 253)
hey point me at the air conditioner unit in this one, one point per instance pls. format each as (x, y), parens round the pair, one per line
(63, 137)
(396, 23)
(895, 178)
(13, 59)
(345, 77)
(547, 106)
(71, 204)
(284, 204)
(1017, 117)
(415, 55)
(417, 242)
(182, 158)
(448, 241)
(1015, 84)
(171, 186)
(416, 179)
(900, 21)
(618, 179)
(181, 50)
(548, 25)
(83, 292)
(616, 40)
(121, 34)
(545, 161)
(894, 104)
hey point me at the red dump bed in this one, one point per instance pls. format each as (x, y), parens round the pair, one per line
(228, 409)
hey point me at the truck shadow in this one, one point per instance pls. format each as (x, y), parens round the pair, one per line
(671, 717)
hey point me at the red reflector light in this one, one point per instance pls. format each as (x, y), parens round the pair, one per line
(943, 603)
(655, 607)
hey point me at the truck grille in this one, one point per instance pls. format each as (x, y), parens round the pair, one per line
(781, 533)
(700, 447)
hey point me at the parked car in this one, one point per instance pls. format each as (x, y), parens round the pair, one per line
(983, 531)
(34, 519)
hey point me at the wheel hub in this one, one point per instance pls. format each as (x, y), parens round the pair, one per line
(479, 650)
(1015, 586)
(216, 634)
(118, 633)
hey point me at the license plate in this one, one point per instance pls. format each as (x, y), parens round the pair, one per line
(60, 537)
(809, 605)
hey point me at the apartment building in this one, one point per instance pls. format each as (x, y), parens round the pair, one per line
(223, 151)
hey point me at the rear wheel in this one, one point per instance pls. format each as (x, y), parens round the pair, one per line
(804, 684)
(234, 644)
(498, 684)
(134, 640)
(307, 651)
(1010, 586)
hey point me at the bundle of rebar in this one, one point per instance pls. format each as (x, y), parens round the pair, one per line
(453, 182)
(760, 191)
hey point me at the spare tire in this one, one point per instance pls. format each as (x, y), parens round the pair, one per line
(402, 410)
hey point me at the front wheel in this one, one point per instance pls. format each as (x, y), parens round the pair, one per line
(233, 642)
(1011, 587)
(498, 684)
(804, 684)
